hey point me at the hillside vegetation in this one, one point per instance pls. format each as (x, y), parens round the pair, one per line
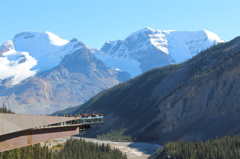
(4, 109)
(192, 100)
(73, 149)
(220, 148)
(80, 149)
(28, 152)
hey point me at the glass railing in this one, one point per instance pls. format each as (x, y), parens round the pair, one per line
(77, 121)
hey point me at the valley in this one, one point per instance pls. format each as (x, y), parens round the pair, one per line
(148, 93)
(143, 79)
(131, 149)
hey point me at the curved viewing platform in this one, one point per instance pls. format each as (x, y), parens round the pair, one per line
(18, 130)
(83, 121)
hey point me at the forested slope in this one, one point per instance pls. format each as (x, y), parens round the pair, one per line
(197, 99)
(218, 148)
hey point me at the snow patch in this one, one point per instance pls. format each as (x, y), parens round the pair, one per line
(55, 40)
(127, 54)
(11, 66)
(32, 52)
(213, 38)
(120, 64)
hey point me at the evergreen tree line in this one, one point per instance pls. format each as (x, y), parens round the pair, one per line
(28, 152)
(80, 149)
(227, 147)
(73, 149)
(116, 135)
(4, 109)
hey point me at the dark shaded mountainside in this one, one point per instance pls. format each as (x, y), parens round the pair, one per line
(198, 99)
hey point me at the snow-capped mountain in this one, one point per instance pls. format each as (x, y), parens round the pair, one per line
(41, 73)
(150, 48)
(33, 52)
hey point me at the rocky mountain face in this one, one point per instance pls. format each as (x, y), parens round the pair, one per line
(41, 73)
(198, 99)
(150, 48)
(77, 77)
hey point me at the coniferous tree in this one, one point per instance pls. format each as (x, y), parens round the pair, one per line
(220, 148)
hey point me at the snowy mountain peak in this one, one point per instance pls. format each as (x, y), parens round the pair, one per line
(74, 74)
(29, 39)
(150, 48)
(145, 31)
(47, 37)
(212, 37)
(31, 52)
(148, 29)
(56, 40)
(7, 46)
(34, 52)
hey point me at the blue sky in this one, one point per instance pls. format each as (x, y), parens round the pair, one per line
(95, 21)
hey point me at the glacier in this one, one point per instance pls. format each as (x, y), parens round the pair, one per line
(32, 52)
(64, 73)
(150, 48)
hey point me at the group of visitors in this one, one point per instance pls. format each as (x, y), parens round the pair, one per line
(84, 115)
(91, 115)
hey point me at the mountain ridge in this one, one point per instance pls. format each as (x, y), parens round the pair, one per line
(164, 48)
(159, 106)
(33, 52)
(79, 76)
(38, 69)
